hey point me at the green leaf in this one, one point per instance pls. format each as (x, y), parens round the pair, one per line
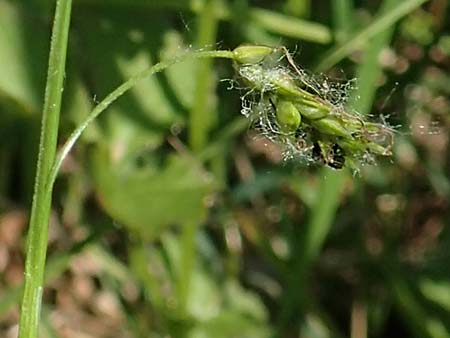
(23, 56)
(146, 200)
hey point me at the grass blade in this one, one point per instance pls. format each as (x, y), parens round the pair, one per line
(291, 26)
(383, 22)
(343, 20)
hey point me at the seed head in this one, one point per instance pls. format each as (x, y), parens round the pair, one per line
(304, 115)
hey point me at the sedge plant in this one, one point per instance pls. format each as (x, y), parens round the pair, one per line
(305, 116)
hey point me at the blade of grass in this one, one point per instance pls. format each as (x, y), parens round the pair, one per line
(240, 10)
(291, 26)
(369, 71)
(316, 230)
(201, 119)
(187, 264)
(381, 23)
(420, 322)
(140, 269)
(40, 213)
(343, 21)
(322, 214)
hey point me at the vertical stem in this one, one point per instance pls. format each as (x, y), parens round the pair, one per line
(140, 268)
(201, 121)
(342, 17)
(315, 233)
(201, 118)
(187, 263)
(40, 212)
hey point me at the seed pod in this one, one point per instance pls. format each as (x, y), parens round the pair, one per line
(331, 126)
(288, 117)
(251, 54)
(286, 86)
(361, 146)
(352, 146)
(312, 110)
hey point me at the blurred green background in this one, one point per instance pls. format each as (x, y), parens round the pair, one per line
(171, 219)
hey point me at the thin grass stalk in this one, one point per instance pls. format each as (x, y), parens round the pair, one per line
(201, 118)
(40, 212)
(118, 92)
(201, 122)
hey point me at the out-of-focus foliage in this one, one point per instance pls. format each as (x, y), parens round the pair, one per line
(170, 218)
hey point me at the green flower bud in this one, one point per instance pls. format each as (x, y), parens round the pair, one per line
(250, 54)
(288, 116)
(331, 126)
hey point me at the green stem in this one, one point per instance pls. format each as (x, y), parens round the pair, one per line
(40, 212)
(119, 91)
(201, 121)
(187, 263)
(201, 118)
(139, 267)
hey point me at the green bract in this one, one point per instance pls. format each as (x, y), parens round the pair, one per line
(248, 54)
(311, 109)
(331, 126)
(301, 113)
(288, 116)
